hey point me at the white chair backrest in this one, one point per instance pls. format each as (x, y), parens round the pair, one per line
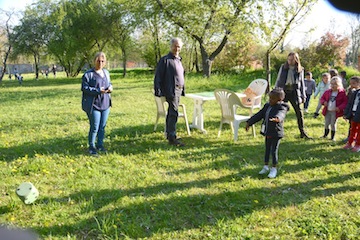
(227, 99)
(160, 105)
(258, 86)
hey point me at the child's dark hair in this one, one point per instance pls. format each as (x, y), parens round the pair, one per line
(355, 78)
(308, 74)
(333, 72)
(278, 92)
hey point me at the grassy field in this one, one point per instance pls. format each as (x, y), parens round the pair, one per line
(144, 188)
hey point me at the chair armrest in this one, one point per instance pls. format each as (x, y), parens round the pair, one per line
(182, 106)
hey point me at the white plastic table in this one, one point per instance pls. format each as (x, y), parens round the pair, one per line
(199, 100)
(198, 115)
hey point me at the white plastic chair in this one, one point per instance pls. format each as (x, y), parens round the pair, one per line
(229, 103)
(253, 100)
(161, 106)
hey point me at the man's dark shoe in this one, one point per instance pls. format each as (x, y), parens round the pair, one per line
(315, 115)
(176, 142)
(304, 135)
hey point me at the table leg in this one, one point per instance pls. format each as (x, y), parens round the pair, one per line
(198, 117)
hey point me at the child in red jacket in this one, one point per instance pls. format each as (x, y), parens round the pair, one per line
(334, 101)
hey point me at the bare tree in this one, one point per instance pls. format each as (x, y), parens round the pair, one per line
(209, 23)
(354, 24)
(6, 43)
(284, 16)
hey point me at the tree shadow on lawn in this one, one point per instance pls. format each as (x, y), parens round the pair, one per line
(26, 97)
(240, 156)
(65, 146)
(42, 82)
(179, 211)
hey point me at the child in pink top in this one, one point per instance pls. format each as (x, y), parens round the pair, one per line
(334, 101)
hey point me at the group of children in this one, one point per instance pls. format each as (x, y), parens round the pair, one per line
(336, 102)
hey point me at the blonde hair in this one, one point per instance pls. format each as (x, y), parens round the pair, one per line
(98, 55)
(338, 81)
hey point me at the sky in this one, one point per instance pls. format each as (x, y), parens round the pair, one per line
(323, 17)
(14, 4)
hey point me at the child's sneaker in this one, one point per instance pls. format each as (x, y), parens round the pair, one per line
(264, 170)
(272, 173)
(356, 148)
(347, 146)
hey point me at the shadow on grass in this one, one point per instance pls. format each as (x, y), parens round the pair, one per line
(178, 212)
(165, 208)
(65, 146)
(43, 82)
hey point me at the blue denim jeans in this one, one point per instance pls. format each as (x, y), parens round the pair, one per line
(97, 121)
(307, 101)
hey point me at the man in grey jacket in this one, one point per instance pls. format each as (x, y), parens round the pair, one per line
(169, 81)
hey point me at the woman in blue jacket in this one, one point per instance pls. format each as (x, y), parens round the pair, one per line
(96, 101)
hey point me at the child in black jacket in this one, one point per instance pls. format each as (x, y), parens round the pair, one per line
(273, 114)
(352, 112)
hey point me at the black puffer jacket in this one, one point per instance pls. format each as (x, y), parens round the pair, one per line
(272, 129)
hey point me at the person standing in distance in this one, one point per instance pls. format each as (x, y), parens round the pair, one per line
(291, 79)
(96, 101)
(169, 81)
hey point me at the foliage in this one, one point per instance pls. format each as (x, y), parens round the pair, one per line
(31, 35)
(332, 49)
(73, 46)
(152, 48)
(237, 52)
(352, 56)
(275, 21)
(208, 22)
(145, 189)
(279, 58)
(6, 39)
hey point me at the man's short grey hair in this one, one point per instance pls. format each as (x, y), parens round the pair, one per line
(178, 40)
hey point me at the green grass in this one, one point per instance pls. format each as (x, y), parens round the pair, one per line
(144, 188)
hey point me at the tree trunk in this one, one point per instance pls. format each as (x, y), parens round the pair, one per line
(4, 63)
(268, 71)
(155, 33)
(196, 60)
(124, 60)
(37, 60)
(206, 62)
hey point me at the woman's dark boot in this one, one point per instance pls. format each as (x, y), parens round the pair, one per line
(333, 135)
(326, 133)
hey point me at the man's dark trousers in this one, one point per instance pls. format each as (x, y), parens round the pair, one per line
(172, 114)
